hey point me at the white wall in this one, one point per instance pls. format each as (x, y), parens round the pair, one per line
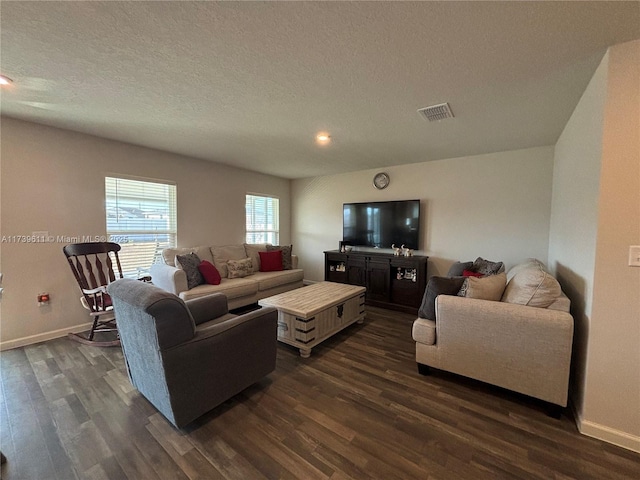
(53, 180)
(574, 216)
(496, 206)
(598, 161)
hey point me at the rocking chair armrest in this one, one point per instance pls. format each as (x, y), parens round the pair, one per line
(93, 291)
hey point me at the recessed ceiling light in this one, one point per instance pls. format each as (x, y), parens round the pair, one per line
(5, 80)
(323, 138)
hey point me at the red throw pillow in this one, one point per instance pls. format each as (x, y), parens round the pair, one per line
(271, 261)
(469, 273)
(210, 273)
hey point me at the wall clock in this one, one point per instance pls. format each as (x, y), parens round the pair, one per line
(381, 180)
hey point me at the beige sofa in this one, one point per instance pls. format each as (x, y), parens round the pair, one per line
(239, 291)
(521, 343)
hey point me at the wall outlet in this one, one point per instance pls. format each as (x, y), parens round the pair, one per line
(634, 255)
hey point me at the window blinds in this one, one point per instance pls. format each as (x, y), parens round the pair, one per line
(141, 217)
(262, 219)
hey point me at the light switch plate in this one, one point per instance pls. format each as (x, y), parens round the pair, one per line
(634, 255)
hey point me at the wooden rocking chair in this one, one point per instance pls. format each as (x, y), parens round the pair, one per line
(93, 267)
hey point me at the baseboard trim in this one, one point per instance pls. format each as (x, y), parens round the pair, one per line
(43, 337)
(610, 435)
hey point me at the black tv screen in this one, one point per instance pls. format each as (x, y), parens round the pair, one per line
(381, 224)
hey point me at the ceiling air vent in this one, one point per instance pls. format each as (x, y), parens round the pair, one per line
(436, 112)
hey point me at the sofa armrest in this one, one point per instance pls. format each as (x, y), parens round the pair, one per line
(171, 279)
(526, 349)
(294, 261)
(260, 316)
(208, 307)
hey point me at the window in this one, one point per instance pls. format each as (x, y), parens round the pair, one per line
(141, 217)
(262, 219)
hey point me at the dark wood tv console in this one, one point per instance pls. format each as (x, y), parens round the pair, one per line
(392, 282)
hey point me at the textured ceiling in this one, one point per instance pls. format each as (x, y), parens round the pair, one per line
(250, 84)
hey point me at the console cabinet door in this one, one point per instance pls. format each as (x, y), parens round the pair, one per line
(378, 279)
(356, 271)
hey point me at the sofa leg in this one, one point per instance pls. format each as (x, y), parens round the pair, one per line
(423, 369)
(554, 411)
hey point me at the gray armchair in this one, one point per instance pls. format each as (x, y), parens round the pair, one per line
(188, 357)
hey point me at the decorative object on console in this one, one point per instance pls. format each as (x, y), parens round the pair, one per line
(381, 180)
(396, 250)
(407, 252)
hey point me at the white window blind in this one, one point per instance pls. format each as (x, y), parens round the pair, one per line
(263, 224)
(141, 217)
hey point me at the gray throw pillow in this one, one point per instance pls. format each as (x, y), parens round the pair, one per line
(438, 286)
(487, 267)
(457, 268)
(287, 263)
(189, 263)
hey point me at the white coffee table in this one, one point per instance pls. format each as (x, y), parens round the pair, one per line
(309, 315)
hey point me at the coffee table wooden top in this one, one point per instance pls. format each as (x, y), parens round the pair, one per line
(307, 301)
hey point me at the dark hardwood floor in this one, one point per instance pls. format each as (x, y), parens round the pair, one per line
(356, 409)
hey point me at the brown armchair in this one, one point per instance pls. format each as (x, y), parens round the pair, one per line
(188, 357)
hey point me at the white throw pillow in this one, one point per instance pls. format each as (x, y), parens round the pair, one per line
(532, 286)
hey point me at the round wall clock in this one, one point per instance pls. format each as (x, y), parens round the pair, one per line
(381, 180)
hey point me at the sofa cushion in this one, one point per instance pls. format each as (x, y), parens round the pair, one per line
(252, 250)
(424, 331)
(457, 268)
(286, 254)
(232, 288)
(484, 288)
(222, 254)
(240, 268)
(532, 286)
(169, 254)
(268, 280)
(487, 267)
(271, 261)
(189, 262)
(209, 273)
(438, 286)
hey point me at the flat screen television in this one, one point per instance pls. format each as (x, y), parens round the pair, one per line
(381, 224)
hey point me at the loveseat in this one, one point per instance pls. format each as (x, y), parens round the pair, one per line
(248, 282)
(512, 330)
